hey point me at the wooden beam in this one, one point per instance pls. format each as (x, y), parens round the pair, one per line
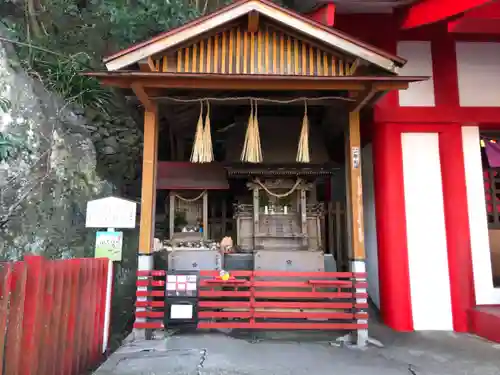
(430, 11)
(148, 190)
(362, 98)
(355, 188)
(143, 96)
(147, 65)
(253, 22)
(324, 14)
(253, 82)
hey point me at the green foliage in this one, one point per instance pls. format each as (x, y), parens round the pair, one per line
(129, 24)
(4, 105)
(10, 145)
(63, 76)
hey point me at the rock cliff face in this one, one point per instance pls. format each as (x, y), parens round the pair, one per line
(58, 158)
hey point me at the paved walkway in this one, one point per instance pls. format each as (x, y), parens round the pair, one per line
(305, 354)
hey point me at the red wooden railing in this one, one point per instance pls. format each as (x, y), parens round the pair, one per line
(54, 315)
(264, 300)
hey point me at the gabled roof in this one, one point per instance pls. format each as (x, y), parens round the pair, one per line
(303, 25)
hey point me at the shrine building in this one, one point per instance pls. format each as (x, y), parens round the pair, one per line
(352, 136)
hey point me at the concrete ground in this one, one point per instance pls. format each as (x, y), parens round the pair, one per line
(217, 353)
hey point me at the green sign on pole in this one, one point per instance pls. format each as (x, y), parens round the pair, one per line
(109, 245)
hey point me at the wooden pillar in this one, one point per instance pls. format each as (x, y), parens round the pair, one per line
(256, 215)
(148, 191)
(303, 218)
(171, 215)
(355, 188)
(205, 216)
(355, 206)
(148, 201)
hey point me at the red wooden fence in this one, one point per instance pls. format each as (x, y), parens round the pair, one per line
(52, 315)
(271, 300)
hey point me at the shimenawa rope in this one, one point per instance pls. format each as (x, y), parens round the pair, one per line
(266, 189)
(188, 200)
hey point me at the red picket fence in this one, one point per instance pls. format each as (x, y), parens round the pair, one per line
(53, 315)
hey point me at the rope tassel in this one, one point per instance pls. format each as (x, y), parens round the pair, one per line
(208, 153)
(197, 153)
(252, 151)
(303, 155)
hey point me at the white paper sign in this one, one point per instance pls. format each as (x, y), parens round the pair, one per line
(111, 212)
(181, 312)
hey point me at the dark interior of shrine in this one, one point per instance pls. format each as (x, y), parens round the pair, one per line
(280, 117)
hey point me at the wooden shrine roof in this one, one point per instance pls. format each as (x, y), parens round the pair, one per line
(255, 37)
(191, 176)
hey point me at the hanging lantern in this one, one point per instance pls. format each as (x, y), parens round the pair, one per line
(208, 153)
(197, 153)
(303, 155)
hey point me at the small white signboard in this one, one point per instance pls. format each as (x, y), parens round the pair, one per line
(109, 245)
(181, 312)
(111, 212)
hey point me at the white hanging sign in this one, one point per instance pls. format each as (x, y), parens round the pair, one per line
(111, 212)
(355, 157)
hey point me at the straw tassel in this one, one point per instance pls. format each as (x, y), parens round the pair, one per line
(258, 147)
(303, 149)
(208, 153)
(252, 151)
(244, 152)
(197, 153)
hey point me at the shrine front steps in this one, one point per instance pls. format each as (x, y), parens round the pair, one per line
(485, 322)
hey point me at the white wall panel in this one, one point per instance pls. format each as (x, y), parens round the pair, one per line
(486, 294)
(478, 66)
(427, 247)
(370, 225)
(419, 56)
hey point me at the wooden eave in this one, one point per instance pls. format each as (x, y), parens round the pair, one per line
(144, 80)
(304, 26)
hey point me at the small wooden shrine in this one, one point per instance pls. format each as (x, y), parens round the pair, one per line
(189, 186)
(225, 70)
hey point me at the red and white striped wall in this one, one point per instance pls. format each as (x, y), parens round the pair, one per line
(429, 240)
(422, 223)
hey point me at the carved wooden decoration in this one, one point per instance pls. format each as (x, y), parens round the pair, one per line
(267, 51)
